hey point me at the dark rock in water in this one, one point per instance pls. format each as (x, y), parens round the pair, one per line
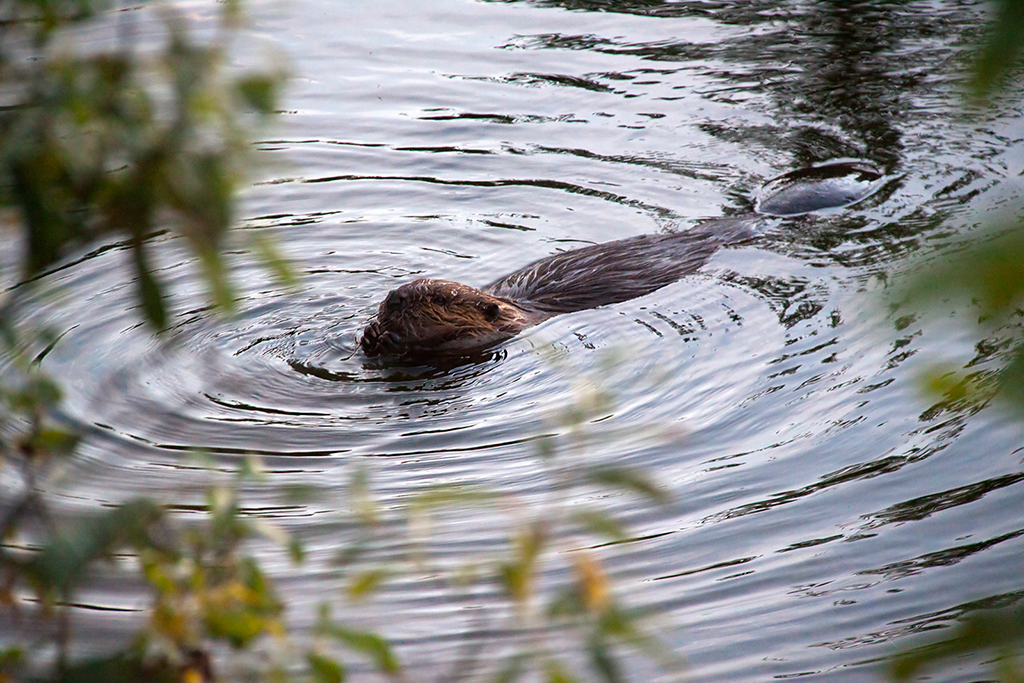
(826, 186)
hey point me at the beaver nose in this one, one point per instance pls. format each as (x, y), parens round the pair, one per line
(396, 300)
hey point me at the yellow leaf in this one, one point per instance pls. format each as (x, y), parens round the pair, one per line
(592, 580)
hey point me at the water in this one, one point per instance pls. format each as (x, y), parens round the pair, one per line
(823, 510)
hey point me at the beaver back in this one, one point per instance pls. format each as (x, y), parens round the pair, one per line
(613, 272)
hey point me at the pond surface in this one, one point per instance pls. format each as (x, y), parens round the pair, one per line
(824, 509)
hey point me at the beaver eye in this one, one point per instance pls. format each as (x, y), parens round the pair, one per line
(491, 311)
(441, 300)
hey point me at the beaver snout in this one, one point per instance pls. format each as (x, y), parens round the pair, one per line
(427, 317)
(397, 300)
(376, 342)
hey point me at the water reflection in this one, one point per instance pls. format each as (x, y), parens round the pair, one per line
(838, 73)
(922, 507)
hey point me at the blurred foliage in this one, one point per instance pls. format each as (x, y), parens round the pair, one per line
(139, 129)
(556, 600)
(999, 56)
(125, 136)
(989, 273)
(207, 592)
(1000, 633)
(989, 276)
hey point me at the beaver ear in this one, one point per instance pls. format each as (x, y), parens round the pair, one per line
(491, 311)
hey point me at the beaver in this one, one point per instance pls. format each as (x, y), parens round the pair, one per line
(439, 317)
(429, 318)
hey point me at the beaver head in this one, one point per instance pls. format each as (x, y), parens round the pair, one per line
(426, 317)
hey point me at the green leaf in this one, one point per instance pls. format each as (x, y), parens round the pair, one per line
(252, 469)
(1011, 379)
(1002, 631)
(600, 524)
(349, 553)
(259, 92)
(567, 603)
(268, 253)
(1002, 47)
(365, 583)
(263, 597)
(556, 673)
(603, 662)
(513, 670)
(221, 291)
(512, 579)
(517, 576)
(369, 644)
(211, 205)
(530, 541)
(296, 551)
(123, 667)
(63, 561)
(37, 175)
(444, 496)
(614, 622)
(546, 447)
(226, 527)
(54, 441)
(39, 393)
(325, 669)
(149, 290)
(991, 271)
(238, 626)
(298, 493)
(631, 480)
(11, 656)
(622, 625)
(362, 499)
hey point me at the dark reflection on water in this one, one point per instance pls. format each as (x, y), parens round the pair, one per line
(839, 70)
(922, 507)
(823, 511)
(941, 558)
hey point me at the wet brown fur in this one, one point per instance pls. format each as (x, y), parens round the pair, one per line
(428, 315)
(439, 317)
